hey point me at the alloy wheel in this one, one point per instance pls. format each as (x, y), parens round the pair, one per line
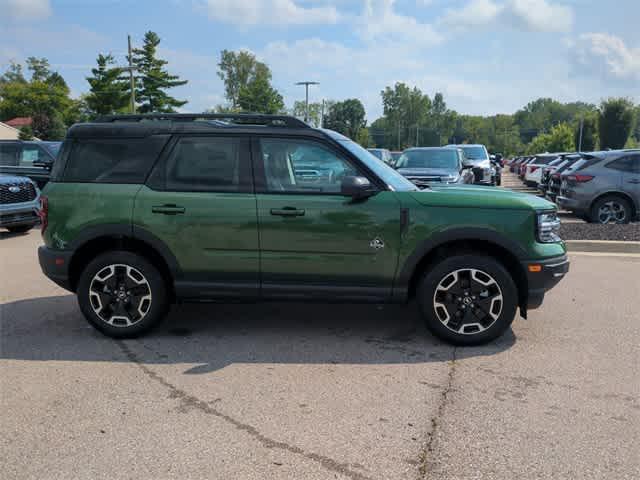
(120, 295)
(612, 212)
(468, 301)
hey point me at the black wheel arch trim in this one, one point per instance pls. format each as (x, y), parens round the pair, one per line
(454, 235)
(128, 231)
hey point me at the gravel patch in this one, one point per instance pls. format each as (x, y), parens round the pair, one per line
(589, 231)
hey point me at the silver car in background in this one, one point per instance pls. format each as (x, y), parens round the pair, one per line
(604, 188)
(19, 203)
(485, 173)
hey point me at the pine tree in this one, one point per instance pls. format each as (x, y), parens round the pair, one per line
(109, 93)
(153, 79)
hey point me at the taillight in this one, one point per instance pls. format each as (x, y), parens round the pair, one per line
(532, 168)
(580, 178)
(44, 213)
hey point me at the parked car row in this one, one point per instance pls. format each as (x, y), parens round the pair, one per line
(599, 187)
(451, 164)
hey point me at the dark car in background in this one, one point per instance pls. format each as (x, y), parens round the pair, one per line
(33, 159)
(605, 188)
(427, 165)
(394, 157)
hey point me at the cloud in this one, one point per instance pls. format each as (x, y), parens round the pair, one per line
(525, 15)
(25, 9)
(380, 22)
(606, 56)
(269, 12)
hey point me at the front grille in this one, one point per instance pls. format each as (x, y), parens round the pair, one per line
(478, 172)
(25, 193)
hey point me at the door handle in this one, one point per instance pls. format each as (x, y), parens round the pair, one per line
(635, 180)
(169, 209)
(287, 212)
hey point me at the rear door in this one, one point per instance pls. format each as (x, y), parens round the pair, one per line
(629, 168)
(199, 202)
(314, 241)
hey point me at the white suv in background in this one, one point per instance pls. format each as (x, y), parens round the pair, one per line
(533, 169)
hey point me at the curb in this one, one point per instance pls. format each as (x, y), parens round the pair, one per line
(602, 246)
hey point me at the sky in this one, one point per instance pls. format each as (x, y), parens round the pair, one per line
(485, 56)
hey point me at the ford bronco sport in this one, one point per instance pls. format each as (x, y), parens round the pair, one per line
(144, 211)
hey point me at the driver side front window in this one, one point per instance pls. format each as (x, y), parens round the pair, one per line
(302, 166)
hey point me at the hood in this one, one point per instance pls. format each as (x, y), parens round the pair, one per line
(8, 179)
(427, 172)
(475, 196)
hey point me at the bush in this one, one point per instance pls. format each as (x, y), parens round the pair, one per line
(615, 122)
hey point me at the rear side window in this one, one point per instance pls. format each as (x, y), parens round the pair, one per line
(109, 160)
(209, 164)
(9, 154)
(630, 163)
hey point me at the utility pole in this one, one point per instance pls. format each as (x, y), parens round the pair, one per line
(132, 78)
(580, 140)
(306, 85)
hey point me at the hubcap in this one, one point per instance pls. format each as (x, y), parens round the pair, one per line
(120, 295)
(612, 212)
(468, 301)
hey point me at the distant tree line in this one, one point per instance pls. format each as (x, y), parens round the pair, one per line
(410, 117)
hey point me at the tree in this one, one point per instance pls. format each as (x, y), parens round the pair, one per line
(315, 112)
(589, 134)
(559, 139)
(153, 79)
(236, 69)
(26, 133)
(108, 93)
(406, 112)
(615, 122)
(347, 118)
(44, 97)
(258, 96)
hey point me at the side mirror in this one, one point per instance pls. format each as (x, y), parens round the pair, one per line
(357, 188)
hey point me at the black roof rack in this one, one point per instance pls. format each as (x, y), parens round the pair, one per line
(221, 119)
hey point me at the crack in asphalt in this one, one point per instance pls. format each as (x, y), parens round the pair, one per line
(425, 460)
(194, 402)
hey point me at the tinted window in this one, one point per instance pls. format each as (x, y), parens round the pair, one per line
(209, 164)
(447, 159)
(52, 147)
(626, 164)
(9, 154)
(475, 153)
(125, 160)
(376, 153)
(302, 166)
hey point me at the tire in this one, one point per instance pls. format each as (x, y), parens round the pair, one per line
(20, 228)
(496, 300)
(499, 180)
(142, 302)
(611, 209)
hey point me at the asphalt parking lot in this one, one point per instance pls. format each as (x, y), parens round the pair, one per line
(320, 392)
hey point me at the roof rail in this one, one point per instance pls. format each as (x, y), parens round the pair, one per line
(233, 118)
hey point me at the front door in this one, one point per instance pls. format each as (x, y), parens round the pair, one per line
(315, 242)
(199, 202)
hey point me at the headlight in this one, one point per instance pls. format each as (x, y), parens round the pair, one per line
(451, 178)
(548, 227)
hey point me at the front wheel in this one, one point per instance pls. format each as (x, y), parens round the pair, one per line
(611, 209)
(468, 299)
(122, 294)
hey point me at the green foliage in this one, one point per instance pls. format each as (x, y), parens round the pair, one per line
(258, 96)
(26, 133)
(589, 134)
(109, 92)
(615, 122)
(363, 138)
(44, 97)
(315, 112)
(247, 84)
(559, 139)
(153, 79)
(347, 118)
(538, 116)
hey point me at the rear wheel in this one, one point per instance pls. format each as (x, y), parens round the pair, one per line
(468, 299)
(122, 294)
(611, 209)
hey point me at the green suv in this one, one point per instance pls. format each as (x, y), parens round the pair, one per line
(145, 211)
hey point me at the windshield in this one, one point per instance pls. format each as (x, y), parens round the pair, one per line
(53, 147)
(444, 159)
(387, 174)
(475, 153)
(376, 153)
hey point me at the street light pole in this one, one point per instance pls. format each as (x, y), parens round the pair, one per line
(306, 85)
(132, 80)
(581, 128)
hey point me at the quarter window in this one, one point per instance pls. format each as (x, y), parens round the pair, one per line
(629, 163)
(209, 164)
(302, 166)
